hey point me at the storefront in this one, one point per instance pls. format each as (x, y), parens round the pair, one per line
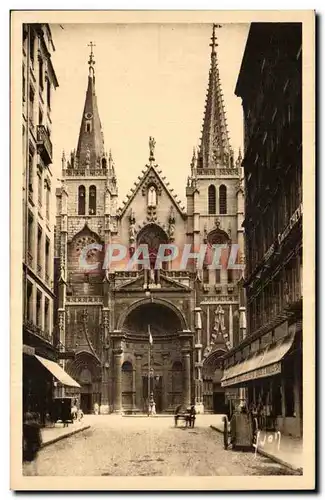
(39, 376)
(271, 373)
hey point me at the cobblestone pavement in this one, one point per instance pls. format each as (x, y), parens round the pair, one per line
(126, 446)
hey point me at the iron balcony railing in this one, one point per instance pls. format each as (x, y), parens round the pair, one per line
(44, 144)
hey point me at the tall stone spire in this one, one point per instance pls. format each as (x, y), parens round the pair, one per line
(215, 149)
(90, 148)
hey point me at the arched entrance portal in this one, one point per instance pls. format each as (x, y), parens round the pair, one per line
(162, 367)
(213, 394)
(85, 368)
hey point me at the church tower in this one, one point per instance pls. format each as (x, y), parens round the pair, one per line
(214, 216)
(86, 222)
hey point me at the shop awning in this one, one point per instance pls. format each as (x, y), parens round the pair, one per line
(58, 372)
(261, 364)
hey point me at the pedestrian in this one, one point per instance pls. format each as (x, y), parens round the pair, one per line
(74, 411)
(32, 441)
(80, 415)
(193, 416)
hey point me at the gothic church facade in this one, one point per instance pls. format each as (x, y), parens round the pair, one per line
(104, 315)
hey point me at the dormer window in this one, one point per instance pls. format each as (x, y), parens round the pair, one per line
(152, 196)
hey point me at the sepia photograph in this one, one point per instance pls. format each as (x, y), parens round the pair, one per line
(162, 322)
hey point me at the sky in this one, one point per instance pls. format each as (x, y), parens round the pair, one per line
(151, 80)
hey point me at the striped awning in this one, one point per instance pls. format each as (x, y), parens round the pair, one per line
(264, 363)
(57, 372)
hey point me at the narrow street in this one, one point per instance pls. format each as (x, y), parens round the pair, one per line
(129, 446)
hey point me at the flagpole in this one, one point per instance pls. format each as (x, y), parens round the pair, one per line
(149, 356)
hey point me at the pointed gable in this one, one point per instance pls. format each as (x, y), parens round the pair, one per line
(152, 175)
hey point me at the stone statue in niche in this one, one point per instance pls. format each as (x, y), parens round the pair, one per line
(132, 231)
(88, 156)
(171, 226)
(152, 275)
(219, 320)
(205, 234)
(152, 196)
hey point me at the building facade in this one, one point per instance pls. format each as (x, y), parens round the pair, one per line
(105, 314)
(38, 84)
(268, 363)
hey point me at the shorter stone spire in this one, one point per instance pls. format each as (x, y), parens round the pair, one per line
(90, 148)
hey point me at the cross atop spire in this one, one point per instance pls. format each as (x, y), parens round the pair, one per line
(91, 60)
(214, 43)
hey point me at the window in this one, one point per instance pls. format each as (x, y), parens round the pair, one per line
(88, 126)
(41, 73)
(230, 275)
(47, 194)
(39, 309)
(212, 199)
(30, 171)
(92, 200)
(40, 188)
(47, 259)
(218, 276)
(31, 105)
(40, 117)
(29, 301)
(152, 197)
(104, 163)
(47, 316)
(81, 200)
(32, 47)
(39, 249)
(30, 234)
(222, 199)
(24, 84)
(48, 93)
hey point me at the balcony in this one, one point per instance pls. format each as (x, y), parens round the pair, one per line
(36, 330)
(29, 259)
(44, 144)
(39, 270)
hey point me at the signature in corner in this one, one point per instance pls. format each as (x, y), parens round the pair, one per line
(274, 437)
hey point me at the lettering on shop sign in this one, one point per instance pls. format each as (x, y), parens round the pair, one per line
(269, 438)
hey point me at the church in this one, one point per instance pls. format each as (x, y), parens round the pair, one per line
(149, 331)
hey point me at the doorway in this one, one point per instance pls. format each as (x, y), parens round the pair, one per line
(219, 404)
(86, 402)
(155, 388)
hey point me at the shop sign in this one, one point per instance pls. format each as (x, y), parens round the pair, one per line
(265, 371)
(67, 355)
(293, 221)
(28, 350)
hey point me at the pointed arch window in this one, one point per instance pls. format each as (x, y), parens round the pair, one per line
(82, 200)
(222, 199)
(152, 196)
(92, 200)
(88, 126)
(212, 199)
